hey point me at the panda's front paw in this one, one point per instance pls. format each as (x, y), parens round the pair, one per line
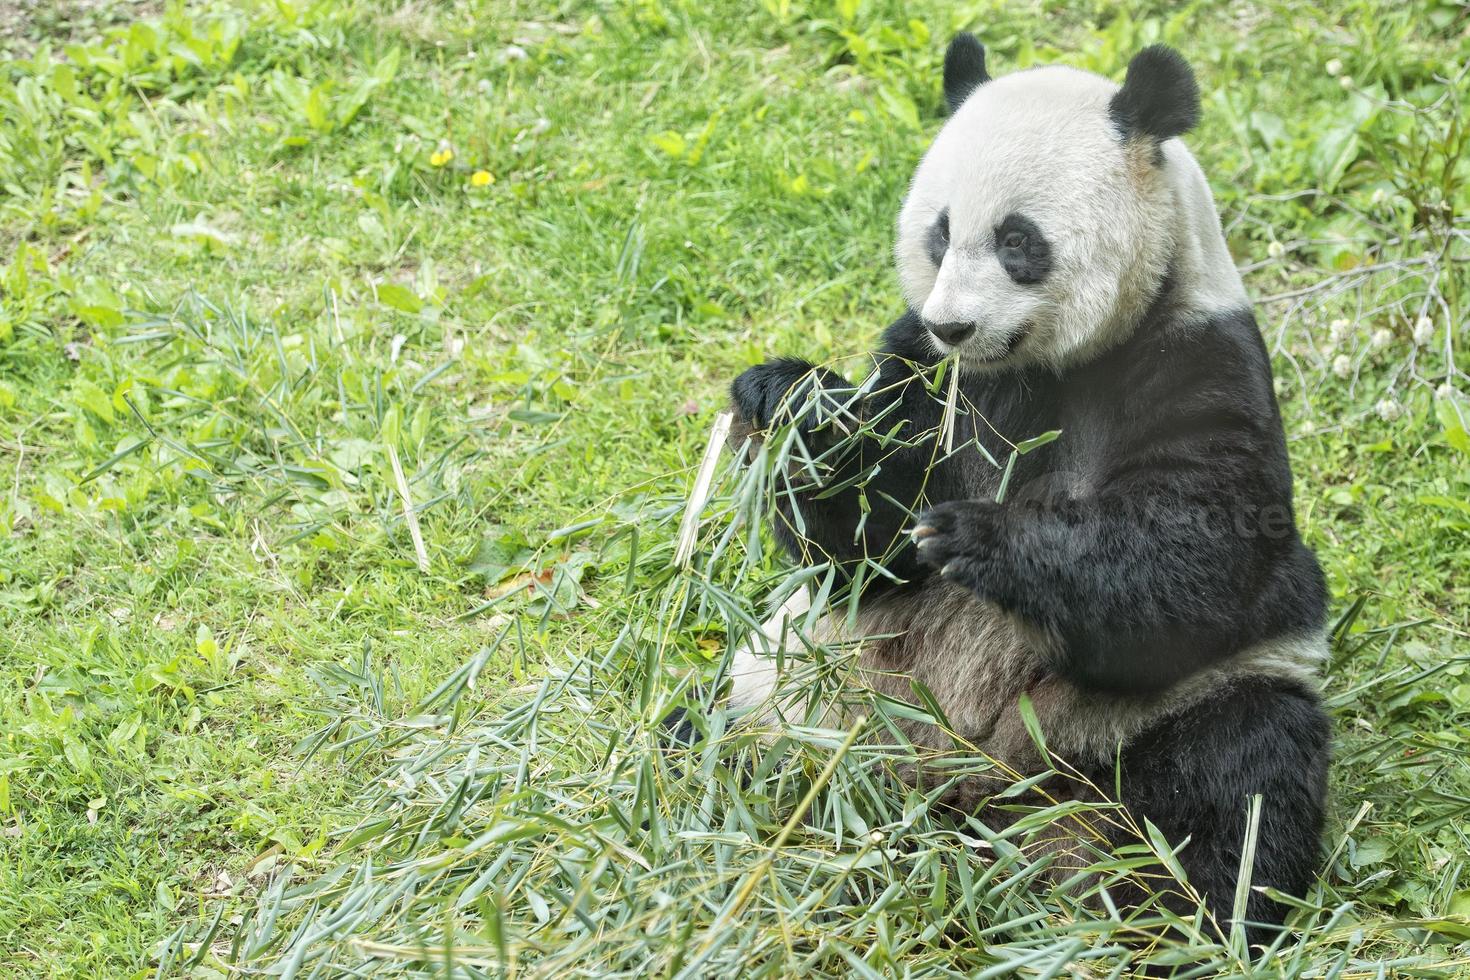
(757, 393)
(958, 538)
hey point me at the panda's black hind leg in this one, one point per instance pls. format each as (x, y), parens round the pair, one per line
(1193, 774)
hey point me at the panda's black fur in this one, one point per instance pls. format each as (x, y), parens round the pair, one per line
(1150, 545)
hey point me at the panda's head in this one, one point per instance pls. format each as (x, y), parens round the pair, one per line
(1044, 218)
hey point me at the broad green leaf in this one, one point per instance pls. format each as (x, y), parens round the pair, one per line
(399, 297)
(78, 756)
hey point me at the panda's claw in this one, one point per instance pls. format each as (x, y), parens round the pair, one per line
(957, 539)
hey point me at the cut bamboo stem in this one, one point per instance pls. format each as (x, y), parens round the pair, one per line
(699, 495)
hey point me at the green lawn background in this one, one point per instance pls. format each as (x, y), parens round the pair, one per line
(250, 252)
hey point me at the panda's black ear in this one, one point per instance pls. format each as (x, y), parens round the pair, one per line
(964, 68)
(1159, 98)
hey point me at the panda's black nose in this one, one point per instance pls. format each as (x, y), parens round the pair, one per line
(951, 333)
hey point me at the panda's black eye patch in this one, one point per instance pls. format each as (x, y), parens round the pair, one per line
(938, 240)
(1023, 250)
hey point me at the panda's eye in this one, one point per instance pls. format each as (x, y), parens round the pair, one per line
(1022, 249)
(936, 241)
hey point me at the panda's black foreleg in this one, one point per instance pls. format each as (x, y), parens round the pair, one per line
(1194, 774)
(863, 503)
(1142, 592)
(787, 388)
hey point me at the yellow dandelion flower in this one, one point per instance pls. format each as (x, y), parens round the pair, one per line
(441, 156)
(482, 178)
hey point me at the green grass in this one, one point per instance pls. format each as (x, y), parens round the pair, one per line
(241, 727)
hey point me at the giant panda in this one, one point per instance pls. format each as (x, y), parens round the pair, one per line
(1142, 584)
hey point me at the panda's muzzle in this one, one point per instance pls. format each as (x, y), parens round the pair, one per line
(955, 334)
(951, 333)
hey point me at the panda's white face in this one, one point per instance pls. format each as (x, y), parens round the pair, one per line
(1034, 233)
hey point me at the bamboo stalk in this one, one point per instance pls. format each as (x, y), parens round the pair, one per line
(951, 405)
(699, 495)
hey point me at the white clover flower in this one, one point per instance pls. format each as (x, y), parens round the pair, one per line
(1275, 250)
(1388, 409)
(1423, 331)
(1346, 81)
(1337, 330)
(1278, 385)
(1381, 338)
(514, 52)
(1445, 392)
(1308, 427)
(1342, 365)
(1334, 67)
